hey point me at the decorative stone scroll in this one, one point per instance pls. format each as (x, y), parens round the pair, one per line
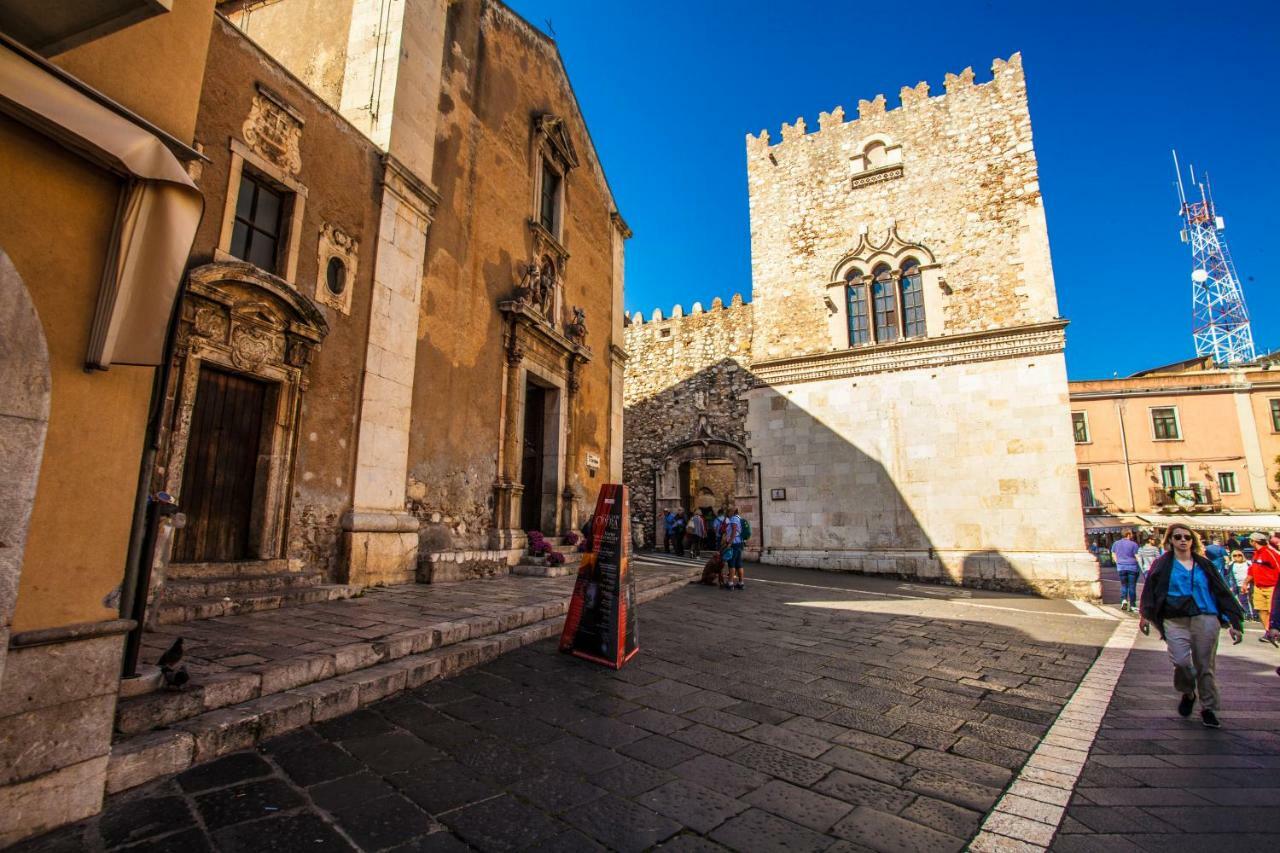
(274, 130)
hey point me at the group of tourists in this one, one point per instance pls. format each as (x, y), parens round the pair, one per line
(724, 532)
(1190, 592)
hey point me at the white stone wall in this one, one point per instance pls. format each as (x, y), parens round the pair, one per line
(961, 473)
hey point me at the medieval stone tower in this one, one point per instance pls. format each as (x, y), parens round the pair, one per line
(908, 412)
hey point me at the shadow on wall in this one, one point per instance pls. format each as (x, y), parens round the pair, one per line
(826, 503)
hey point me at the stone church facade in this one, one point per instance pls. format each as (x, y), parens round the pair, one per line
(907, 409)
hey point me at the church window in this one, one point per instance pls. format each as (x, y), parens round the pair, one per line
(259, 216)
(912, 299)
(549, 200)
(859, 313)
(885, 304)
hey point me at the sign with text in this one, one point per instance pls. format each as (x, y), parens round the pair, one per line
(601, 625)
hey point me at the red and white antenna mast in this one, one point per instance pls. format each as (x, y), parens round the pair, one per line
(1220, 320)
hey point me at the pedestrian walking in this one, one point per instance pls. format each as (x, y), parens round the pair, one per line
(1236, 577)
(677, 532)
(1263, 574)
(1147, 555)
(693, 533)
(1188, 602)
(668, 519)
(732, 533)
(1125, 553)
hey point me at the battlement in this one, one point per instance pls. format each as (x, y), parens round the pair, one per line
(909, 98)
(636, 318)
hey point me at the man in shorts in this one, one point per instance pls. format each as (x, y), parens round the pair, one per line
(731, 543)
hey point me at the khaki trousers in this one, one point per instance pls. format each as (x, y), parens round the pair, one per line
(1262, 603)
(1193, 648)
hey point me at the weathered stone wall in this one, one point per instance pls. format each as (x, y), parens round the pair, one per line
(967, 190)
(499, 74)
(329, 146)
(686, 377)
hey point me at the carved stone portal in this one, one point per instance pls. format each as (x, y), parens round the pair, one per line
(236, 318)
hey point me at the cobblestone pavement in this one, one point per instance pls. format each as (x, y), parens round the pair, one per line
(809, 712)
(1155, 781)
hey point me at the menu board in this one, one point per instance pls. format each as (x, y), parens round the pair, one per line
(601, 625)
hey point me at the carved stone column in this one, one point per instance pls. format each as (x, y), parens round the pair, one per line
(568, 497)
(507, 489)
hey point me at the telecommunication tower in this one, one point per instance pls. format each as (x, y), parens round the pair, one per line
(1220, 320)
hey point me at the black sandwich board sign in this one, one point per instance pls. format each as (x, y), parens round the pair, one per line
(601, 625)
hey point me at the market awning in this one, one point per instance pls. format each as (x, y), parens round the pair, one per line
(1245, 522)
(1111, 523)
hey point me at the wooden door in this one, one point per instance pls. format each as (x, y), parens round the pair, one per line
(221, 468)
(531, 459)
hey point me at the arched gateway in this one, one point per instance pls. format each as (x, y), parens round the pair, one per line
(707, 472)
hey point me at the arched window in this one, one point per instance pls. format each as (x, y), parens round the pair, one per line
(859, 308)
(875, 154)
(912, 299)
(884, 303)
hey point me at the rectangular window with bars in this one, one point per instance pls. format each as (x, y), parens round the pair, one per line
(1275, 415)
(859, 315)
(1080, 426)
(259, 216)
(1164, 423)
(1227, 482)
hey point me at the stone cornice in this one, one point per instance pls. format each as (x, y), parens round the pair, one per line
(1038, 339)
(875, 176)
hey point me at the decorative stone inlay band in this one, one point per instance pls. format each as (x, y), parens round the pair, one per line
(886, 174)
(1042, 339)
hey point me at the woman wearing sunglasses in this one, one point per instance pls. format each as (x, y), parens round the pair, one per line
(1189, 602)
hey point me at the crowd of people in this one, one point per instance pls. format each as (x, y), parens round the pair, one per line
(724, 532)
(1191, 591)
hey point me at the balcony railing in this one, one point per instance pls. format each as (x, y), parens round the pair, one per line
(1195, 497)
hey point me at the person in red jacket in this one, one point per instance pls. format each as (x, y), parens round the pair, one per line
(1263, 574)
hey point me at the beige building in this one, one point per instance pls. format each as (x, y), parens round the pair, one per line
(908, 406)
(1185, 440)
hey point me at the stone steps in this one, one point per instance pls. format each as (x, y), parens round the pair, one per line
(186, 590)
(194, 571)
(172, 612)
(160, 734)
(572, 560)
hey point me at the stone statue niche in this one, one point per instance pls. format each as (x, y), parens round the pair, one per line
(577, 330)
(538, 287)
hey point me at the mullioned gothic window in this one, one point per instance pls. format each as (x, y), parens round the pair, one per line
(887, 305)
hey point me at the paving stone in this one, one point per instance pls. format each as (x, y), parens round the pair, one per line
(392, 752)
(237, 767)
(621, 824)
(362, 723)
(631, 777)
(964, 768)
(943, 816)
(719, 719)
(520, 730)
(799, 805)
(574, 755)
(569, 841)
(608, 732)
(693, 805)
(709, 739)
(296, 833)
(187, 841)
(720, 774)
(689, 843)
(921, 736)
(383, 822)
(1021, 828)
(439, 841)
(317, 763)
(555, 792)
(655, 721)
(782, 764)
(791, 741)
(815, 728)
(859, 790)
(659, 751)
(959, 791)
(864, 764)
(144, 818)
(757, 830)
(887, 832)
(248, 801)
(349, 790)
(759, 713)
(447, 786)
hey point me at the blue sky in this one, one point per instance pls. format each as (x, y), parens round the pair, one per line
(670, 89)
